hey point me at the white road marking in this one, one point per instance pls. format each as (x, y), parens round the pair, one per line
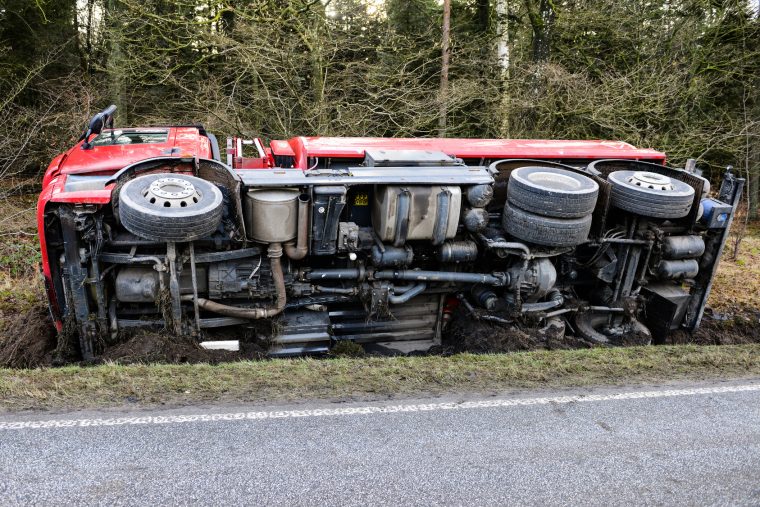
(388, 409)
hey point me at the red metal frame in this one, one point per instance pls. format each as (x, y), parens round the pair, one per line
(303, 148)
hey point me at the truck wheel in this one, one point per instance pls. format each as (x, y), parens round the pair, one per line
(170, 207)
(548, 231)
(651, 194)
(552, 192)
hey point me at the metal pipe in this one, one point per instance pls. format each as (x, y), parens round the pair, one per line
(623, 262)
(194, 276)
(274, 253)
(605, 309)
(625, 241)
(403, 203)
(298, 250)
(442, 217)
(133, 242)
(641, 277)
(555, 299)
(407, 295)
(259, 148)
(443, 276)
(335, 290)
(113, 258)
(171, 258)
(335, 274)
(558, 312)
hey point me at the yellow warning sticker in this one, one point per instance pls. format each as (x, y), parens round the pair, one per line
(361, 200)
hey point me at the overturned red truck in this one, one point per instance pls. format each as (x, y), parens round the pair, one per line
(373, 240)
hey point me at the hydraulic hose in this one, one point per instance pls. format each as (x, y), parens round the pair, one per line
(555, 299)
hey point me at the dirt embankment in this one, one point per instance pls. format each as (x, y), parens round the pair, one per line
(27, 340)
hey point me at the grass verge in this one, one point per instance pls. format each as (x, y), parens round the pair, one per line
(112, 385)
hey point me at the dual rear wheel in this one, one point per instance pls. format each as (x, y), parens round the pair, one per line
(552, 207)
(549, 206)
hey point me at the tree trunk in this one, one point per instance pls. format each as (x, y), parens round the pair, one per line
(753, 175)
(484, 10)
(502, 58)
(445, 51)
(542, 22)
(115, 65)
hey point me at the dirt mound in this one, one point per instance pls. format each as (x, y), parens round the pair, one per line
(160, 347)
(723, 329)
(145, 346)
(27, 338)
(464, 335)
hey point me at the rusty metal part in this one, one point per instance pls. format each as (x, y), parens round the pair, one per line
(274, 253)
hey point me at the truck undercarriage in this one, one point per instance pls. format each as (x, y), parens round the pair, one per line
(381, 250)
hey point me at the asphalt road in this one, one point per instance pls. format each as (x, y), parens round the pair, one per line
(682, 444)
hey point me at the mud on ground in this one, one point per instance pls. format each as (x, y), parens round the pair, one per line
(28, 340)
(723, 329)
(467, 335)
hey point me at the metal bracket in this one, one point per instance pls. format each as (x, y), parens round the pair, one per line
(176, 304)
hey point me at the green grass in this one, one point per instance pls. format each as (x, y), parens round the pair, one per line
(365, 378)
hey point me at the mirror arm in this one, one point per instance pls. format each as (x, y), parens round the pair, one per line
(97, 122)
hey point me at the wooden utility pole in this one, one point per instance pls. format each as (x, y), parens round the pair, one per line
(445, 50)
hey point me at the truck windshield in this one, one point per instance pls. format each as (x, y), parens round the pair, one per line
(130, 137)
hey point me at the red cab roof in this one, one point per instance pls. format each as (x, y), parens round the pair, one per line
(354, 147)
(180, 141)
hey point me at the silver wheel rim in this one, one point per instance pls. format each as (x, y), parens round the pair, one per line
(651, 181)
(171, 193)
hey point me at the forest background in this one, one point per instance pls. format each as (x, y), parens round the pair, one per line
(679, 76)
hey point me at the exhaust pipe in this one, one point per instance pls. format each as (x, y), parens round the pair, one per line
(299, 250)
(274, 253)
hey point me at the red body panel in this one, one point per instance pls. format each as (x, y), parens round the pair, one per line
(180, 142)
(354, 147)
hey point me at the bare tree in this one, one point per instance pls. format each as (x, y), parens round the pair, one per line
(445, 54)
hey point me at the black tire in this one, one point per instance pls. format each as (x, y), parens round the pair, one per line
(655, 202)
(552, 192)
(547, 231)
(178, 216)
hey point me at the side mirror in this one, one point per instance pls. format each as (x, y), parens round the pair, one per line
(96, 125)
